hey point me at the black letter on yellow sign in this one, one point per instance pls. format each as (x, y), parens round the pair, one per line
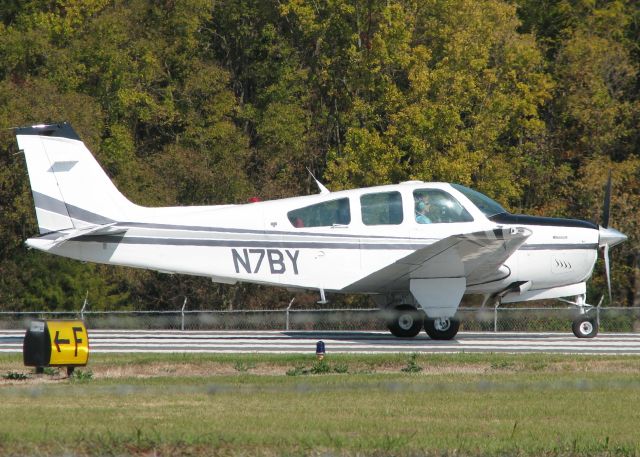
(77, 330)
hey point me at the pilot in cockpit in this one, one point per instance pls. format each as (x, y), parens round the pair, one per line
(423, 207)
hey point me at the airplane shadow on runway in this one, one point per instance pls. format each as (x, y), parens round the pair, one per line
(384, 338)
(368, 337)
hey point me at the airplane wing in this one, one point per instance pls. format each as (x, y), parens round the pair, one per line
(476, 256)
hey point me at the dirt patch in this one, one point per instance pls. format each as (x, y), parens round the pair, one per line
(149, 370)
(597, 366)
(213, 369)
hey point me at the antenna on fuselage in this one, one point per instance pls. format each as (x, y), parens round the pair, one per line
(323, 189)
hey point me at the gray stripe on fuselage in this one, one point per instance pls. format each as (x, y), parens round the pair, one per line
(542, 247)
(243, 243)
(285, 244)
(196, 228)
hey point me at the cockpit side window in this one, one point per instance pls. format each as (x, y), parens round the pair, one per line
(433, 206)
(325, 214)
(382, 208)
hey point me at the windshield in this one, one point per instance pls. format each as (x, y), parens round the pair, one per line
(488, 206)
(436, 206)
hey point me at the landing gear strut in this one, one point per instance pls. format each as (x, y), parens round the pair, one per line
(405, 321)
(442, 328)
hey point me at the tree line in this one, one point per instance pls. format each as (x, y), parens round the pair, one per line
(202, 102)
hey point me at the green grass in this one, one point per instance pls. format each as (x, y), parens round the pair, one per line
(459, 404)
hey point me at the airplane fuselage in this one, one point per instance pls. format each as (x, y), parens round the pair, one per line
(258, 243)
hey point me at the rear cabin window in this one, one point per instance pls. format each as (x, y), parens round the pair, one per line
(384, 208)
(434, 206)
(325, 214)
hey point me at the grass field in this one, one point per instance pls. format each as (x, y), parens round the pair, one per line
(458, 404)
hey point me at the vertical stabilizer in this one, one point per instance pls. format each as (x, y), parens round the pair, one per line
(70, 189)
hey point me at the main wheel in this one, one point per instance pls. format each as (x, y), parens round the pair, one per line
(405, 321)
(585, 327)
(442, 329)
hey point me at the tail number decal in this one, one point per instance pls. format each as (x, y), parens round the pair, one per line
(279, 260)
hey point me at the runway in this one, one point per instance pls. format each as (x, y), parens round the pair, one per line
(283, 342)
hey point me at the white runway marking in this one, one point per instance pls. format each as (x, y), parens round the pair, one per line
(162, 341)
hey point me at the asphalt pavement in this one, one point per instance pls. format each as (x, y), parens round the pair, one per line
(161, 341)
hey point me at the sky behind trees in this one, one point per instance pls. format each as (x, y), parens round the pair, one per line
(198, 102)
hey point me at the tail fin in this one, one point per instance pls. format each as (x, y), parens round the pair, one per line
(70, 189)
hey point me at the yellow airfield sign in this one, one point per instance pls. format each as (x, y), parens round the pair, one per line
(69, 343)
(56, 343)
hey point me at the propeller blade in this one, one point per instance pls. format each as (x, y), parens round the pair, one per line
(606, 207)
(607, 270)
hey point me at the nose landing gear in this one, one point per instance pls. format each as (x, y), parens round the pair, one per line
(584, 325)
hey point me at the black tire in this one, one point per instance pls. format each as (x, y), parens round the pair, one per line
(585, 327)
(445, 329)
(405, 321)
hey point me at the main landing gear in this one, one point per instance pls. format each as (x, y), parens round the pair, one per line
(406, 321)
(442, 329)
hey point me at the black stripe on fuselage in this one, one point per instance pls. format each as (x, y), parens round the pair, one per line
(523, 219)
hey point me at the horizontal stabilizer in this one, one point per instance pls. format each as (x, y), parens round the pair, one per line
(105, 229)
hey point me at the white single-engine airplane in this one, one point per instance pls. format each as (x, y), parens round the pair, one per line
(416, 247)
